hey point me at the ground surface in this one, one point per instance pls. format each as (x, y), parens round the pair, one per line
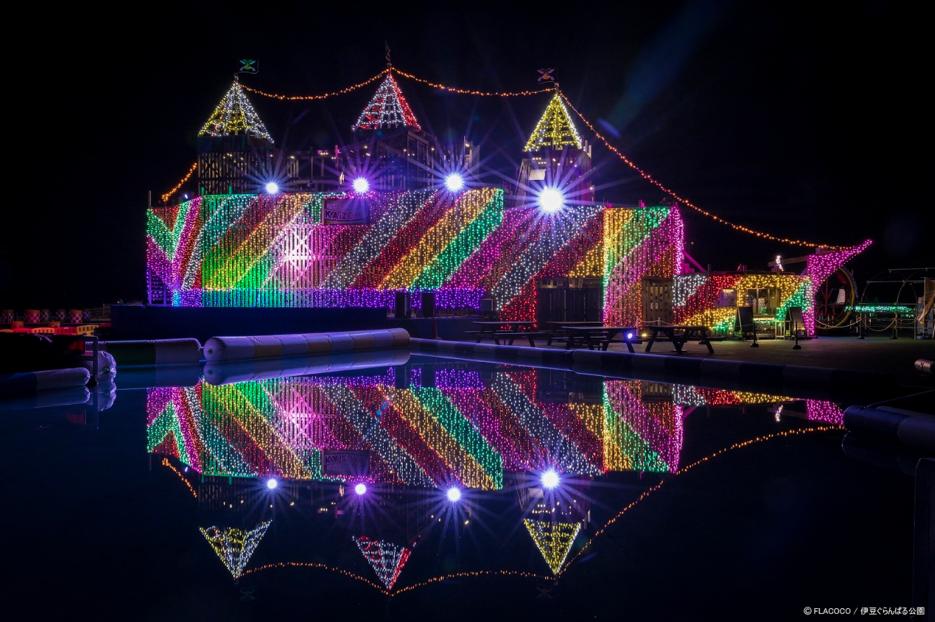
(878, 354)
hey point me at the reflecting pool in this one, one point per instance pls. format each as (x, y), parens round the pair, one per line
(430, 488)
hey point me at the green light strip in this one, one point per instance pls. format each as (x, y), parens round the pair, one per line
(167, 422)
(873, 308)
(635, 230)
(800, 298)
(642, 456)
(462, 246)
(463, 431)
(167, 239)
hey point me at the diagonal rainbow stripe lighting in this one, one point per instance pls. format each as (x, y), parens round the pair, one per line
(279, 250)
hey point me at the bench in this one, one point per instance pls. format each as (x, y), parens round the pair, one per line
(679, 336)
(521, 334)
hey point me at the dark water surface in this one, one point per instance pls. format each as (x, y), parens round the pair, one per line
(673, 502)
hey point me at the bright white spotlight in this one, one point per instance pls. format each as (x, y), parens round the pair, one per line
(454, 182)
(272, 187)
(550, 479)
(453, 494)
(360, 489)
(361, 185)
(272, 483)
(551, 200)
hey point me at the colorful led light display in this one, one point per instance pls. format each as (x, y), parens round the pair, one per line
(275, 250)
(821, 265)
(713, 300)
(465, 430)
(386, 559)
(235, 115)
(637, 244)
(553, 539)
(554, 129)
(235, 547)
(640, 435)
(875, 308)
(455, 429)
(387, 109)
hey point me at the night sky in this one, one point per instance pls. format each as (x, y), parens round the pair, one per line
(808, 120)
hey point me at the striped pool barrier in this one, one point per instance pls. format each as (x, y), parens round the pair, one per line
(31, 382)
(263, 369)
(303, 344)
(151, 352)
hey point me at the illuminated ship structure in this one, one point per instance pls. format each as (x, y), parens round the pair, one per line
(354, 225)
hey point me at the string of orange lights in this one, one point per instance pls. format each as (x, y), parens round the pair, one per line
(523, 573)
(471, 574)
(646, 176)
(191, 171)
(687, 202)
(178, 474)
(319, 96)
(655, 487)
(476, 92)
(316, 566)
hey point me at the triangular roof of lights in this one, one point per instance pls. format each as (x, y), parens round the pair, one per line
(555, 128)
(386, 558)
(235, 115)
(235, 547)
(553, 539)
(387, 109)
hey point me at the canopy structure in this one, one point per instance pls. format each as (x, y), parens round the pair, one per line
(235, 115)
(555, 128)
(387, 109)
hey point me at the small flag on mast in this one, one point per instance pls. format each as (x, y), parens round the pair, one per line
(249, 65)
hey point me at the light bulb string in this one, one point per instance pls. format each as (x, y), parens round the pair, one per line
(168, 194)
(646, 176)
(318, 96)
(757, 440)
(685, 201)
(402, 73)
(476, 92)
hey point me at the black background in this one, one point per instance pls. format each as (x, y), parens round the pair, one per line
(811, 120)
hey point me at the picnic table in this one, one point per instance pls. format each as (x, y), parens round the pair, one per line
(506, 330)
(559, 332)
(679, 335)
(600, 335)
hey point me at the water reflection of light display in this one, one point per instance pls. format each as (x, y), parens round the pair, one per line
(465, 429)
(386, 558)
(553, 539)
(235, 547)
(431, 429)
